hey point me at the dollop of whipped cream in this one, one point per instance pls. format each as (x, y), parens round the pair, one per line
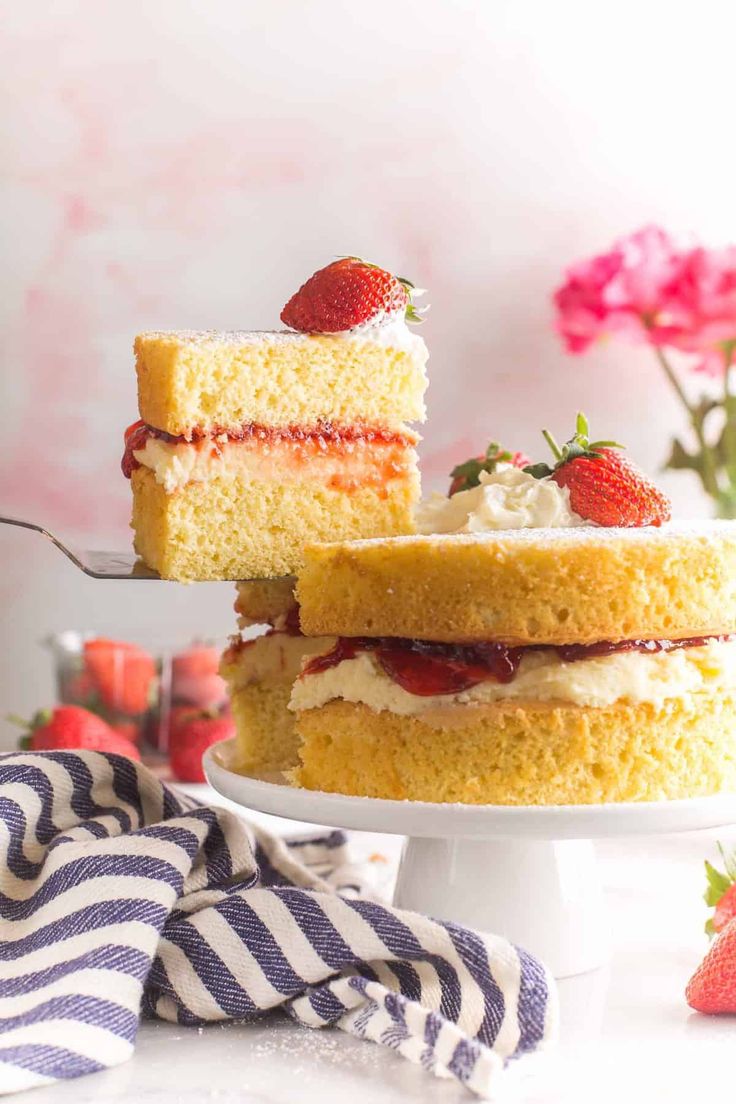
(507, 498)
(387, 329)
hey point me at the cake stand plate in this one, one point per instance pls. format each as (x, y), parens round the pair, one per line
(528, 873)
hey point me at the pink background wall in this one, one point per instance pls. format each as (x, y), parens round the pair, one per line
(183, 164)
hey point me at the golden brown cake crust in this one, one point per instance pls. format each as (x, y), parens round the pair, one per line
(533, 586)
(207, 379)
(264, 601)
(231, 528)
(514, 753)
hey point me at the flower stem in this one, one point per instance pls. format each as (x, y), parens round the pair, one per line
(670, 373)
(708, 468)
(729, 428)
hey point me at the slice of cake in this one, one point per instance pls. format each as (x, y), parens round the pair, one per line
(260, 673)
(573, 662)
(249, 444)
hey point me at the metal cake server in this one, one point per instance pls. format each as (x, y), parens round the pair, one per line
(98, 565)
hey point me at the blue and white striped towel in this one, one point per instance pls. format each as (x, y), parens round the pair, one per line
(120, 897)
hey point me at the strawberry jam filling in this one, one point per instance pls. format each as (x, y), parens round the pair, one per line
(426, 668)
(307, 441)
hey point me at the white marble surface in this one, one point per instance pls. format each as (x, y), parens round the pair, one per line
(626, 1032)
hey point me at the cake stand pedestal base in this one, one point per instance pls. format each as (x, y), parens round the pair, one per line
(527, 872)
(544, 895)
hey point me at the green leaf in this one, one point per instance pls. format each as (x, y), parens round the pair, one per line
(470, 470)
(681, 460)
(702, 409)
(415, 314)
(718, 884)
(573, 450)
(729, 861)
(539, 471)
(581, 425)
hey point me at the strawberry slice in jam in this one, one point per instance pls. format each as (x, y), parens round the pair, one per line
(426, 668)
(136, 436)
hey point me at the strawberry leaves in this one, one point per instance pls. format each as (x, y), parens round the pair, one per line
(719, 883)
(467, 475)
(578, 445)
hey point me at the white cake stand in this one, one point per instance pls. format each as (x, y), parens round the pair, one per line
(525, 872)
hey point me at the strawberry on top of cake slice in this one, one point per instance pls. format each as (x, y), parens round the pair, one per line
(251, 443)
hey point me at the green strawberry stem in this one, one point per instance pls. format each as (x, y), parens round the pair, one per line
(14, 719)
(578, 445)
(556, 450)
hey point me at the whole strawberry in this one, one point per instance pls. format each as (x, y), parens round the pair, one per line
(720, 893)
(605, 487)
(124, 675)
(347, 293)
(191, 738)
(69, 727)
(467, 475)
(712, 988)
(195, 678)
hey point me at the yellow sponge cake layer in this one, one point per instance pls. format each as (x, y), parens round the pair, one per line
(266, 739)
(189, 380)
(521, 753)
(232, 527)
(259, 674)
(553, 586)
(265, 601)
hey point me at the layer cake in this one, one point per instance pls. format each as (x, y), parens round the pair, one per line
(251, 443)
(524, 667)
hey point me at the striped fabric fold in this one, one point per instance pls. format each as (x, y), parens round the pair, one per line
(120, 897)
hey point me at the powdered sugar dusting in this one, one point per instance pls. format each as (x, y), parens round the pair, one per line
(586, 534)
(391, 333)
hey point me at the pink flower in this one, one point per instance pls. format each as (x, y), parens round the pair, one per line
(698, 312)
(617, 292)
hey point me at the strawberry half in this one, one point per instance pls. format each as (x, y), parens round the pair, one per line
(124, 674)
(69, 727)
(347, 293)
(605, 487)
(467, 475)
(712, 988)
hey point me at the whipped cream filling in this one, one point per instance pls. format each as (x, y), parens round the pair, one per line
(358, 463)
(508, 498)
(542, 677)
